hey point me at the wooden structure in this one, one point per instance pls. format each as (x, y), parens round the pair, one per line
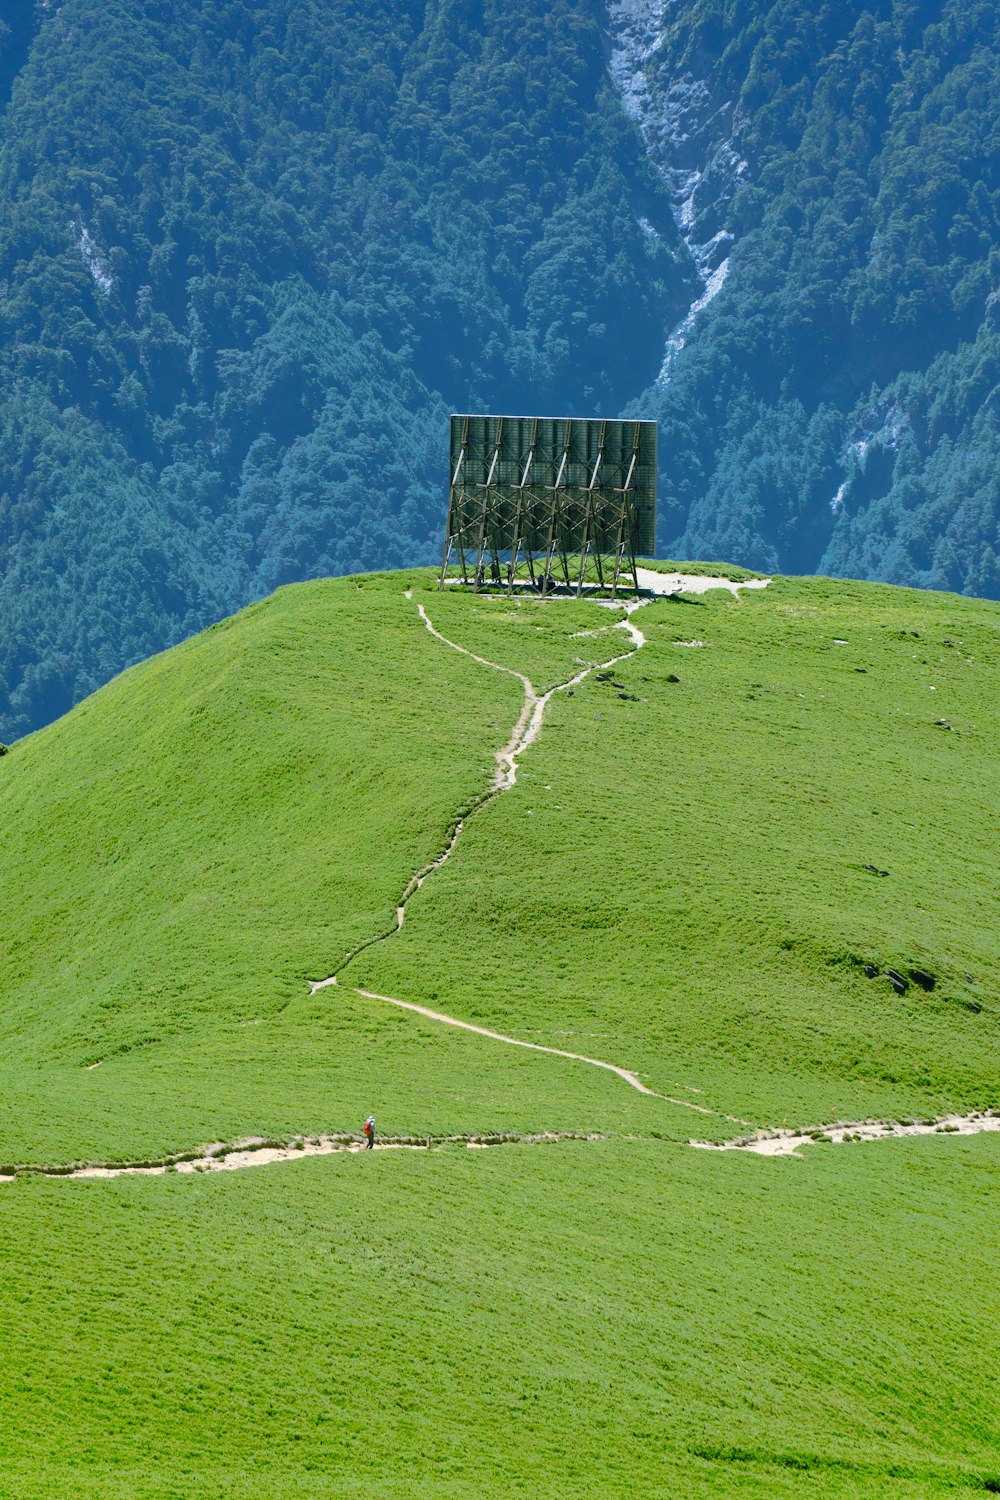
(550, 502)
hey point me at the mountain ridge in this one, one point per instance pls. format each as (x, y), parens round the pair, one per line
(832, 409)
(248, 260)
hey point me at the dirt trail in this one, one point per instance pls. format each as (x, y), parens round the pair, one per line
(525, 733)
(258, 1152)
(529, 724)
(255, 1151)
(512, 1041)
(787, 1142)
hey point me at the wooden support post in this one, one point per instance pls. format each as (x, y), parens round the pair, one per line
(618, 550)
(456, 479)
(513, 564)
(548, 548)
(631, 553)
(482, 544)
(461, 554)
(446, 559)
(585, 549)
(590, 513)
(583, 564)
(446, 554)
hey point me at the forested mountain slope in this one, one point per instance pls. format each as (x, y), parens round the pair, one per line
(251, 254)
(836, 170)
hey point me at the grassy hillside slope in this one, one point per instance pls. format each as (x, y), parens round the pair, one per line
(712, 913)
(676, 884)
(586, 1320)
(219, 827)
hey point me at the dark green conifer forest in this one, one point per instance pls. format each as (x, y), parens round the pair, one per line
(253, 251)
(837, 409)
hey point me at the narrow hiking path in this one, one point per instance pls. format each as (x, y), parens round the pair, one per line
(258, 1151)
(525, 732)
(498, 1036)
(787, 1142)
(528, 726)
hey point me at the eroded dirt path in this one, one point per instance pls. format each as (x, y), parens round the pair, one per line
(524, 734)
(255, 1151)
(512, 1041)
(787, 1142)
(529, 724)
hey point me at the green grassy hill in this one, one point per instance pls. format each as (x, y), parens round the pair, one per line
(677, 884)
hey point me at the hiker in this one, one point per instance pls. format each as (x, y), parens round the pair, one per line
(368, 1130)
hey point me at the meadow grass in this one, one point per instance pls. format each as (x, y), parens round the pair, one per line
(713, 914)
(222, 825)
(585, 1319)
(550, 642)
(701, 569)
(216, 828)
(676, 884)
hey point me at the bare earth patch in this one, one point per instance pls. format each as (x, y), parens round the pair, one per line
(787, 1142)
(692, 583)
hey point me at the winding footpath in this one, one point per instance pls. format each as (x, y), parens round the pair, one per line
(524, 734)
(513, 1041)
(257, 1151)
(787, 1142)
